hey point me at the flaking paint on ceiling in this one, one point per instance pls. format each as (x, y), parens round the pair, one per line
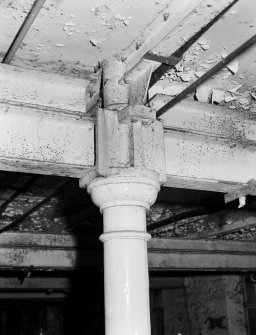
(70, 36)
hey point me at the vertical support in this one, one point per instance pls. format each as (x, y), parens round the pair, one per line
(123, 200)
(130, 166)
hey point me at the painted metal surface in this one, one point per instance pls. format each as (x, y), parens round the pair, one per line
(207, 146)
(123, 200)
(210, 161)
(39, 88)
(132, 142)
(33, 138)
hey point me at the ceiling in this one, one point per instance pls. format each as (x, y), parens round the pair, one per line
(71, 38)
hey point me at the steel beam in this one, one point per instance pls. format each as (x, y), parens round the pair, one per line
(64, 283)
(46, 251)
(208, 147)
(43, 125)
(200, 255)
(36, 140)
(37, 88)
(66, 252)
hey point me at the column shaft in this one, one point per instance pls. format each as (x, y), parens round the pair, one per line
(126, 272)
(123, 199)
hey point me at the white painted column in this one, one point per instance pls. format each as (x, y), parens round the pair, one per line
(123, 200)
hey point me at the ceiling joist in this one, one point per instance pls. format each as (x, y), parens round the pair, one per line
(191, 88)
(225, 222)
(52, 190)
(172, 15)
(184, 35)
(181, 35)
(27, 23)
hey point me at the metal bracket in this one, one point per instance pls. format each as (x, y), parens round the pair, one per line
(249, 189)
(171, 60)
(137, 113)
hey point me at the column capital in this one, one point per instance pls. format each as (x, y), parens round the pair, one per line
(128, 140)
(131, 187)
